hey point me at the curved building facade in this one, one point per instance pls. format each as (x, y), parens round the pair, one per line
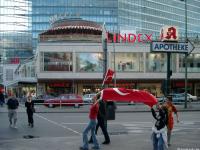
(67, 64)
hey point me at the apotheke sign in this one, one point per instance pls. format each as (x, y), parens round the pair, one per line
(169, 42)
(169, 47)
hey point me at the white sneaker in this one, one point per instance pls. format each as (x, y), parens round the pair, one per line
(15, 126)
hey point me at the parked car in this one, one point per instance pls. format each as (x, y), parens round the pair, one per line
(180, 97)
(161, 99)
(64, 100)
(87, 98)
(192, 98)
(41, 98)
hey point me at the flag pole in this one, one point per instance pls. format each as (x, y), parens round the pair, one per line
(114, 61)
(104, 45)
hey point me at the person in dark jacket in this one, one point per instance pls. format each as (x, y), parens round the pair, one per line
(30, 110)
(2, 99)
(102, 122)
(159, 135)
(12, 104)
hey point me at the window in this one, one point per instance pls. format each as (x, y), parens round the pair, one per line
(9, 74)
(128, 62)
(89, 62)
(57, 61)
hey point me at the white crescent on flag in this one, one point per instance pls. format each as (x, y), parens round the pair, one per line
(128, 95)
(119, 92)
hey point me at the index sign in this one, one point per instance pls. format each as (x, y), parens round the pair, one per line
(180, 47)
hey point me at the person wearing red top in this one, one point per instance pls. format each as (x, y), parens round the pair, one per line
(91, 126)
(170, 122)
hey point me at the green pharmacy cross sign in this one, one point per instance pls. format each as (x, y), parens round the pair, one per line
(173, 47)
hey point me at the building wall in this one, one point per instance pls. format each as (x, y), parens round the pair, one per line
(145, 78)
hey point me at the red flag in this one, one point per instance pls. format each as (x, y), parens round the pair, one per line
(108, 77)
(128, 95)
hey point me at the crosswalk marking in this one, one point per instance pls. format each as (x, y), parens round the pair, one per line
(140, 127)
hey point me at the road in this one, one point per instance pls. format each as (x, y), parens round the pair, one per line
(129, 130)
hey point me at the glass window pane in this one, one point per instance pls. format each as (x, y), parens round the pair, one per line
(128, 62)
(89, 62)
(57, 61)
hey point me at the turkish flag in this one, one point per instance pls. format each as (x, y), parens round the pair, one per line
(108, 77)
(128, 95)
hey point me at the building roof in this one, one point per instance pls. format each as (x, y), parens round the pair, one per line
(78, 25)
(72, 30)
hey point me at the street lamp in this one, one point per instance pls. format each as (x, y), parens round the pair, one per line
(104, 45)
(186, 55)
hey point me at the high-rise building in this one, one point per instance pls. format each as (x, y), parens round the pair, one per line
(25, 19)
(15, 31)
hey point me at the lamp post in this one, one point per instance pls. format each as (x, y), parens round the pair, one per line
(104, 45)
(186, 55)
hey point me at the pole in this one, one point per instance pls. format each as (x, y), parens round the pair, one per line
(168, 73)
(114, 63)
(186, 55)
(105, 50)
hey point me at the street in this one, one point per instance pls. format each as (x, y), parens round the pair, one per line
(130, 130)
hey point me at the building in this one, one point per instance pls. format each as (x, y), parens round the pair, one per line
(70, 59)
(120, 16)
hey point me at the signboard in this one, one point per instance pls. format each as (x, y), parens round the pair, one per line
(169, 34)
(180, 47)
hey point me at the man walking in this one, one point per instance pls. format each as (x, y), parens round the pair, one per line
(102, 121)
(12, 110)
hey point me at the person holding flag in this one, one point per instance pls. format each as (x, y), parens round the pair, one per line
(91, 125)
(159, 132)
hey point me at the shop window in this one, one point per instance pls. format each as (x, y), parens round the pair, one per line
(57, 61)
(128, 62)
(89, 62)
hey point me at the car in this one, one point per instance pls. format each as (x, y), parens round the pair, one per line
(191, 97)
(41, 98)
(180, 97)
(64, 100)
(87, 98)
(161, 99)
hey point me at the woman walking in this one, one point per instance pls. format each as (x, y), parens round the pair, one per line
(30, 110)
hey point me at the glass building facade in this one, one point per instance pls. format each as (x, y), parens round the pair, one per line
(148, 16)
(15, 31)
(25, 19)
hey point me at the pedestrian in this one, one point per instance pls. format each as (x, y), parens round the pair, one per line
(91, 125)
(2, 99)
(30, 110)
(12, 104)
(159, 134)
(170, 123)
(102, 122)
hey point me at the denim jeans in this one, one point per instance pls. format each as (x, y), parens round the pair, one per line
(158, 143)
(91, 126)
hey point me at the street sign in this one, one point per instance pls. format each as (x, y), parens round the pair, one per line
(179, 47)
